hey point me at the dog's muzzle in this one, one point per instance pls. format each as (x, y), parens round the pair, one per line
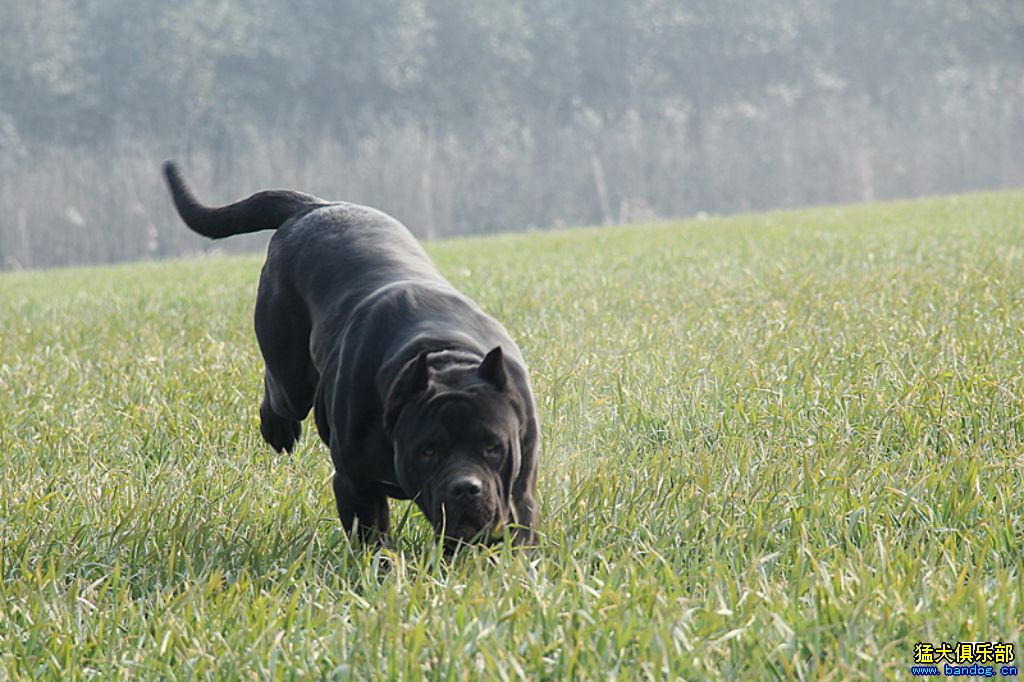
(469, 509)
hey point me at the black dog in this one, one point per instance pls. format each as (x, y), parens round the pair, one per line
(416, 391)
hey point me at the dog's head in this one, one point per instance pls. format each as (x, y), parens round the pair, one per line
(456, 431)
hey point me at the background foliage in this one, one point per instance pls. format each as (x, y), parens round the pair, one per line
(483, 115)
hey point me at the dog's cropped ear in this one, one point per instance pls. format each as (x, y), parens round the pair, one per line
(413, 378)
(492, 369)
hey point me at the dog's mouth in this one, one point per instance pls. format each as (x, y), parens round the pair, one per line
(480, 521)
(464, 529)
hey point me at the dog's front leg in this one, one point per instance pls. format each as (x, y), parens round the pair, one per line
(527, 519)
(368, 513)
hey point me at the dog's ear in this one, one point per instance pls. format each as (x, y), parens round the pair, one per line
(492, 369)
(413, 378)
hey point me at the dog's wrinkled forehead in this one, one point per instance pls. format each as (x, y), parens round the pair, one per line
(458, 411)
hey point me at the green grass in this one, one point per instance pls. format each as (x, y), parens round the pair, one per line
(778, 445)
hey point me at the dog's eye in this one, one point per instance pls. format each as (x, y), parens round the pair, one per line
(427, 452)
(492, 447)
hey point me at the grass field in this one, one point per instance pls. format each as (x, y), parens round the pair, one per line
(777, 445)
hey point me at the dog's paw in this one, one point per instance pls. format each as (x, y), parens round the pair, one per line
(279, 432)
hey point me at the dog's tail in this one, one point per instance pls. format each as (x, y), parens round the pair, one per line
(266, 210)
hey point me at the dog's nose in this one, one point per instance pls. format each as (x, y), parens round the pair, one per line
(465, 488)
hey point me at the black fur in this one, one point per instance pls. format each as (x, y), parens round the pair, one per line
(416, 391)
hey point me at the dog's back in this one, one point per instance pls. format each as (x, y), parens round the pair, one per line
(319, 246)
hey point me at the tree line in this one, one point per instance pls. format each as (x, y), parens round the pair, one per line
(475, 116)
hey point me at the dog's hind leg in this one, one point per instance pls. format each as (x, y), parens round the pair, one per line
(290, 378)
(278, 430)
